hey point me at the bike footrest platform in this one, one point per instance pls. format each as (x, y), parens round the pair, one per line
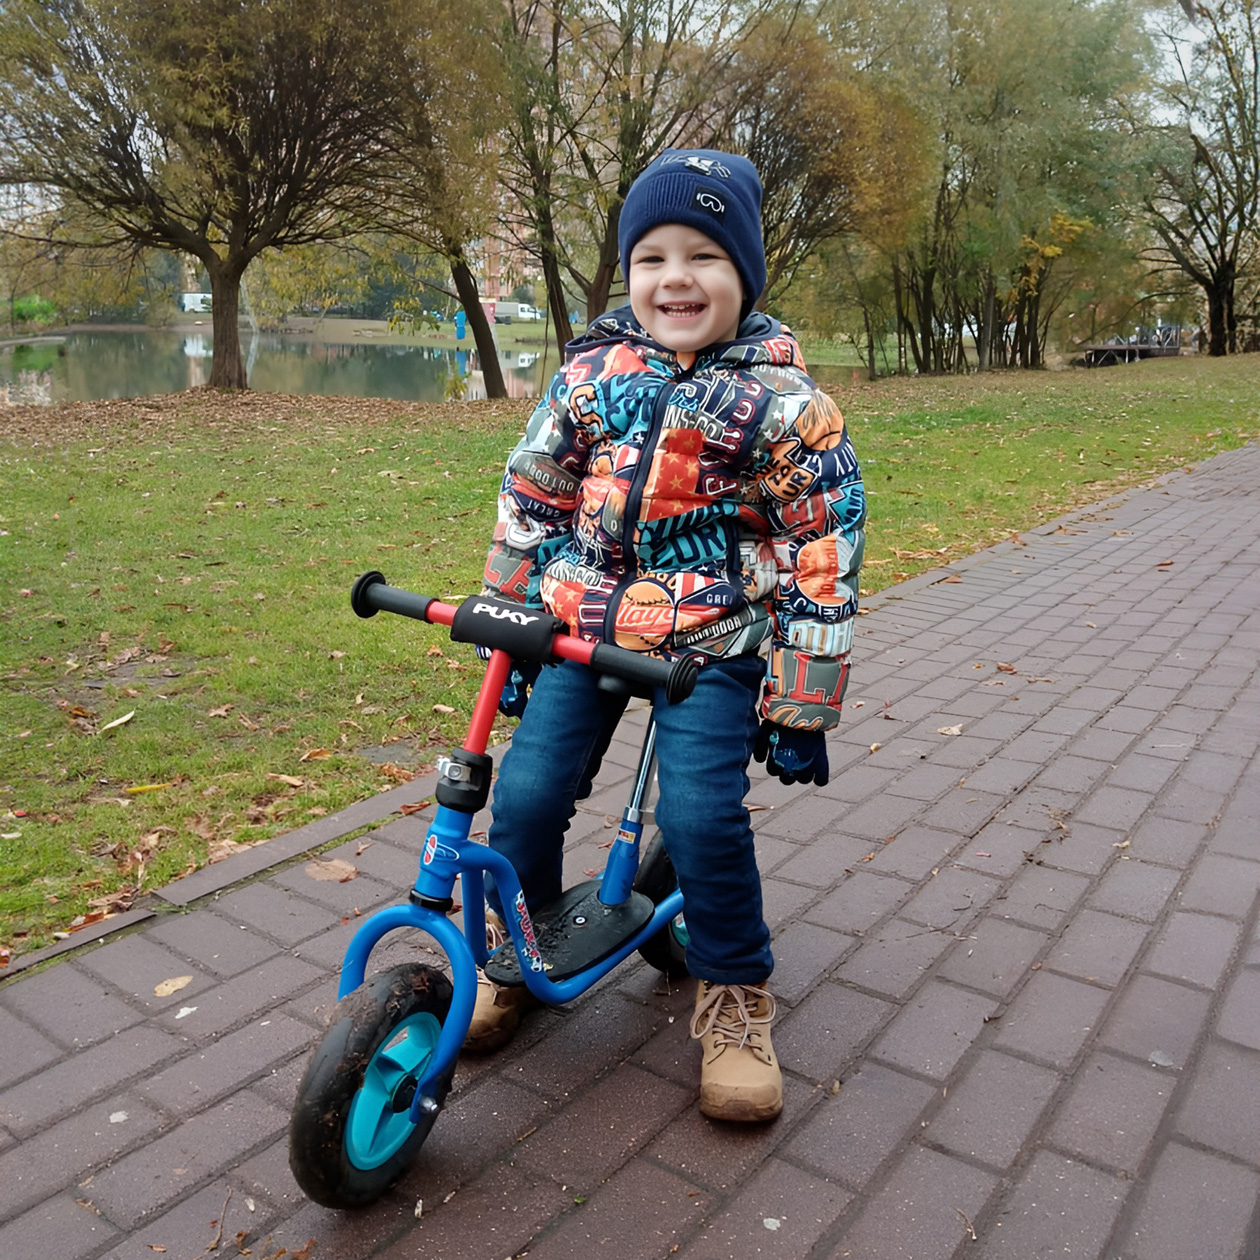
(573, 933)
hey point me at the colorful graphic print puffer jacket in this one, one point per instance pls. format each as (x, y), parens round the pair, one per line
(702, 506)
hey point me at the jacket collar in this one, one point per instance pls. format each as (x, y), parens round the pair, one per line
(761, 339)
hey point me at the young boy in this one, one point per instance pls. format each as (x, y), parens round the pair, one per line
(683, 487)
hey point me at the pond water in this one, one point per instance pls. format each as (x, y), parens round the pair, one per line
(128, 364)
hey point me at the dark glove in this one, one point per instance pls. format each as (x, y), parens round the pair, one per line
(515, 693)
(795, 756)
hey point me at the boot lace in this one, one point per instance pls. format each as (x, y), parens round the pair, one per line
(495, 936)
(728, 1011)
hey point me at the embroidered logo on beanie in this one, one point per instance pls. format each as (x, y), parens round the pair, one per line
(708, 200)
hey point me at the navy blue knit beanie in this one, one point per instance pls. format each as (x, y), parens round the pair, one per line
(718, 194)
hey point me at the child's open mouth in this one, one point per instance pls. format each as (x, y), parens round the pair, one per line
(682, 310)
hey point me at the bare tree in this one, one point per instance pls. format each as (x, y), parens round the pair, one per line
(218, 128)
(1204, 205)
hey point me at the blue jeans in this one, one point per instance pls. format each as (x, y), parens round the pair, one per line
(703, 746)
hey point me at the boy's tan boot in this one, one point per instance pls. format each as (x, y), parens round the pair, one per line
(497, 1011)
(739, 1073)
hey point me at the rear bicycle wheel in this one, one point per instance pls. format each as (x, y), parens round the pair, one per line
(666, 950)
(351, 1135)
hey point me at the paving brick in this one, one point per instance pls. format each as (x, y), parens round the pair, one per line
(1058, 1208)
(719, 1157)
(880, 816)
(850, 1134)
(924, 782)
(91, 1074)
(772, 852)
(582, 1046)
(1222, 1108)
(965, 752)
(824, 1034)
(990, 1113)
(1239, 1018)
(893, 960)
(1097, 947)
(995, 958)
(248, 996)
(858, 783)
(860, 902)
(1101, 745)
(913, 853)
(191, 1226)
(596, 1133)
(781, 1212)
(26, 1050)
(641, 1213)
(934, 1030)
(781, 900)
(1195, 948)
(1135, 889)
(950, 900)
(803, 953)
(1124, 718)
(1112, 1112)
(1041, 896)
(1000, 849)
(1195, 1205)
(1117, 808)
(918, 1212)
(1190, 802)
(822, 864)
(1051, 1019)
(59, 1156)
(223, 948)
(479, 1127)
(276, 913)
(168, 1168)
(206, 1075)
(72, 1007)
(1166, 840)
(59, 1227)
(1221, 885)
(136, 966)
(1142, 774)
(1081, 847)
(1157, 1020)
(1069, 773)
(964, 810)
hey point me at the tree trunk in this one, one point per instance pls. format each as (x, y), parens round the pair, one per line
(487, 351)
(227, 367)
(1218, 335)
(984, 341)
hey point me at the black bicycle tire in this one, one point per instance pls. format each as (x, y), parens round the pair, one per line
(360, 1025)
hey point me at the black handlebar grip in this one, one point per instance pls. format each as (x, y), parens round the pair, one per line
(678, 678)
(372, 594)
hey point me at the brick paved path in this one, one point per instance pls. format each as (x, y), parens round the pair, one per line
(1019, 926)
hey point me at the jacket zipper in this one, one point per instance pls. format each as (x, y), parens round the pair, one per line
(634, 497)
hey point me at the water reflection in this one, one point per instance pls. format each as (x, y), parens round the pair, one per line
(108, 364)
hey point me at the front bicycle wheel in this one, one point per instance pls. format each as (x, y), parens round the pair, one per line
(666, 950)
(351, 1135)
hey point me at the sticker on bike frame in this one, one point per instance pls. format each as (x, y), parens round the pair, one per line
(432, 849)
(527, 931)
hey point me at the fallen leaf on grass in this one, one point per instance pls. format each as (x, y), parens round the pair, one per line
(331, 870)
(291, 779)
(442, 708)
(316, 754)
(109, 726)
(414, 807)
(399, 774)
(141, 788)
(222, 711)
(173, 985)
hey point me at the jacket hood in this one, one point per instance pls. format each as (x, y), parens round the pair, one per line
(759, 339)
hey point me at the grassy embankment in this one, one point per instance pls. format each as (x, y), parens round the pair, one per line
(182, 674)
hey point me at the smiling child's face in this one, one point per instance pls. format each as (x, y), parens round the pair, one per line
(684, 289)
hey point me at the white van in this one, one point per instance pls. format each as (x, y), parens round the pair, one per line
(529, 313)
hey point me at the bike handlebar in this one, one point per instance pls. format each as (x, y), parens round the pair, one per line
(524, 633)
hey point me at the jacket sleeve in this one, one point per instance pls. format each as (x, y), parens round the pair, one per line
(816, 510)
(537, 499)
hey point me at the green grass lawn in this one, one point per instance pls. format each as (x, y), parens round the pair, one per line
(181, 670)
